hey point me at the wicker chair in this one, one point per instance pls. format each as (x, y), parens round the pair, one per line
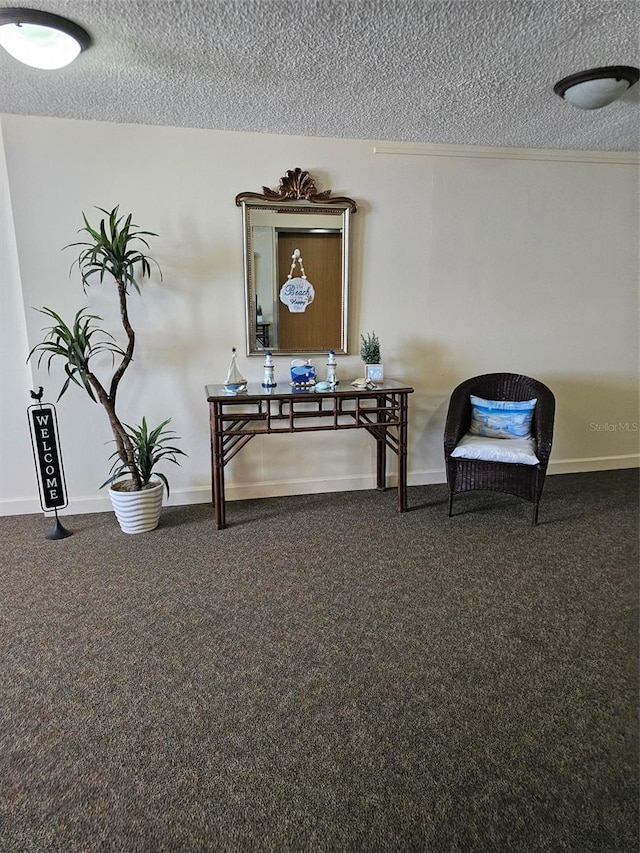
(525, 481)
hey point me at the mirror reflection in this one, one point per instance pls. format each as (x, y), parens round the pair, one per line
(296, 261)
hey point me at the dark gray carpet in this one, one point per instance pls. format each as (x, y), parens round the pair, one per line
(326, 675)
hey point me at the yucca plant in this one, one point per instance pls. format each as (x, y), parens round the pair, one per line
(370, 348)
(110, 250)
(113, 249)
(149, 448)
(76, 345)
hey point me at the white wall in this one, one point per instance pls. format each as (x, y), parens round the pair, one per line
(17, 474)
(462, 265)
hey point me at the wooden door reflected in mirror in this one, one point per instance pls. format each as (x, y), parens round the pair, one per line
(318, 327)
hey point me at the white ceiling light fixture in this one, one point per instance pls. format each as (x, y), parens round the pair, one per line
(593, 89)
(41, 39)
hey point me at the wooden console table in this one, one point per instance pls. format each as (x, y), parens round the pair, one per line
(235, 420)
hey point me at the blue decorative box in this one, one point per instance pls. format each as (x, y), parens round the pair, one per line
(302, 373)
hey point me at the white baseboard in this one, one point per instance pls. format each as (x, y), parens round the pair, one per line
(20, 506)
(598, 463)
(247, 491)
(77, 506)
(556, 466)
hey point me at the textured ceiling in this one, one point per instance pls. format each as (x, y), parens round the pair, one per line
(435, 71)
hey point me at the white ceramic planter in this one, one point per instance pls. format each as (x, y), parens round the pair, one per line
(374, 373)
(137, 512)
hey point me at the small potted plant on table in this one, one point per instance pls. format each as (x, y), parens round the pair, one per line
(370, 354)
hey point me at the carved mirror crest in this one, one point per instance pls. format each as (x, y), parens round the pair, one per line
(296, 267)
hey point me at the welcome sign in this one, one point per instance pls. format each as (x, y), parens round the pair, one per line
(46, 451)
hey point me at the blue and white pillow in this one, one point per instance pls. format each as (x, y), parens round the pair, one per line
(500, 418)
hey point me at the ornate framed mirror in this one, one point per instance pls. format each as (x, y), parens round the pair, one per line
(296, 267)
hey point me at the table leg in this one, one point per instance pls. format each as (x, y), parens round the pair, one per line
(211, 443)
(217, 468)
(402, 454)
(381, 449)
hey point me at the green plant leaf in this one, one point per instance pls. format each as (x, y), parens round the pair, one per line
(113, 250)
(75, 346)
(150, 446)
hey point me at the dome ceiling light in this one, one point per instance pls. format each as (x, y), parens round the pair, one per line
(41, 39)
(593, 89)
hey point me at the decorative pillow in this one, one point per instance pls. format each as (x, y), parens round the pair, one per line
(520, 450)
(501, 419)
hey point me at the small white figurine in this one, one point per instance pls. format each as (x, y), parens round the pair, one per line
(269, 376)
(331, 368)
(235, 382)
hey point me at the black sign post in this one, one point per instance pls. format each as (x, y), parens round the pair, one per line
(43, 424)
